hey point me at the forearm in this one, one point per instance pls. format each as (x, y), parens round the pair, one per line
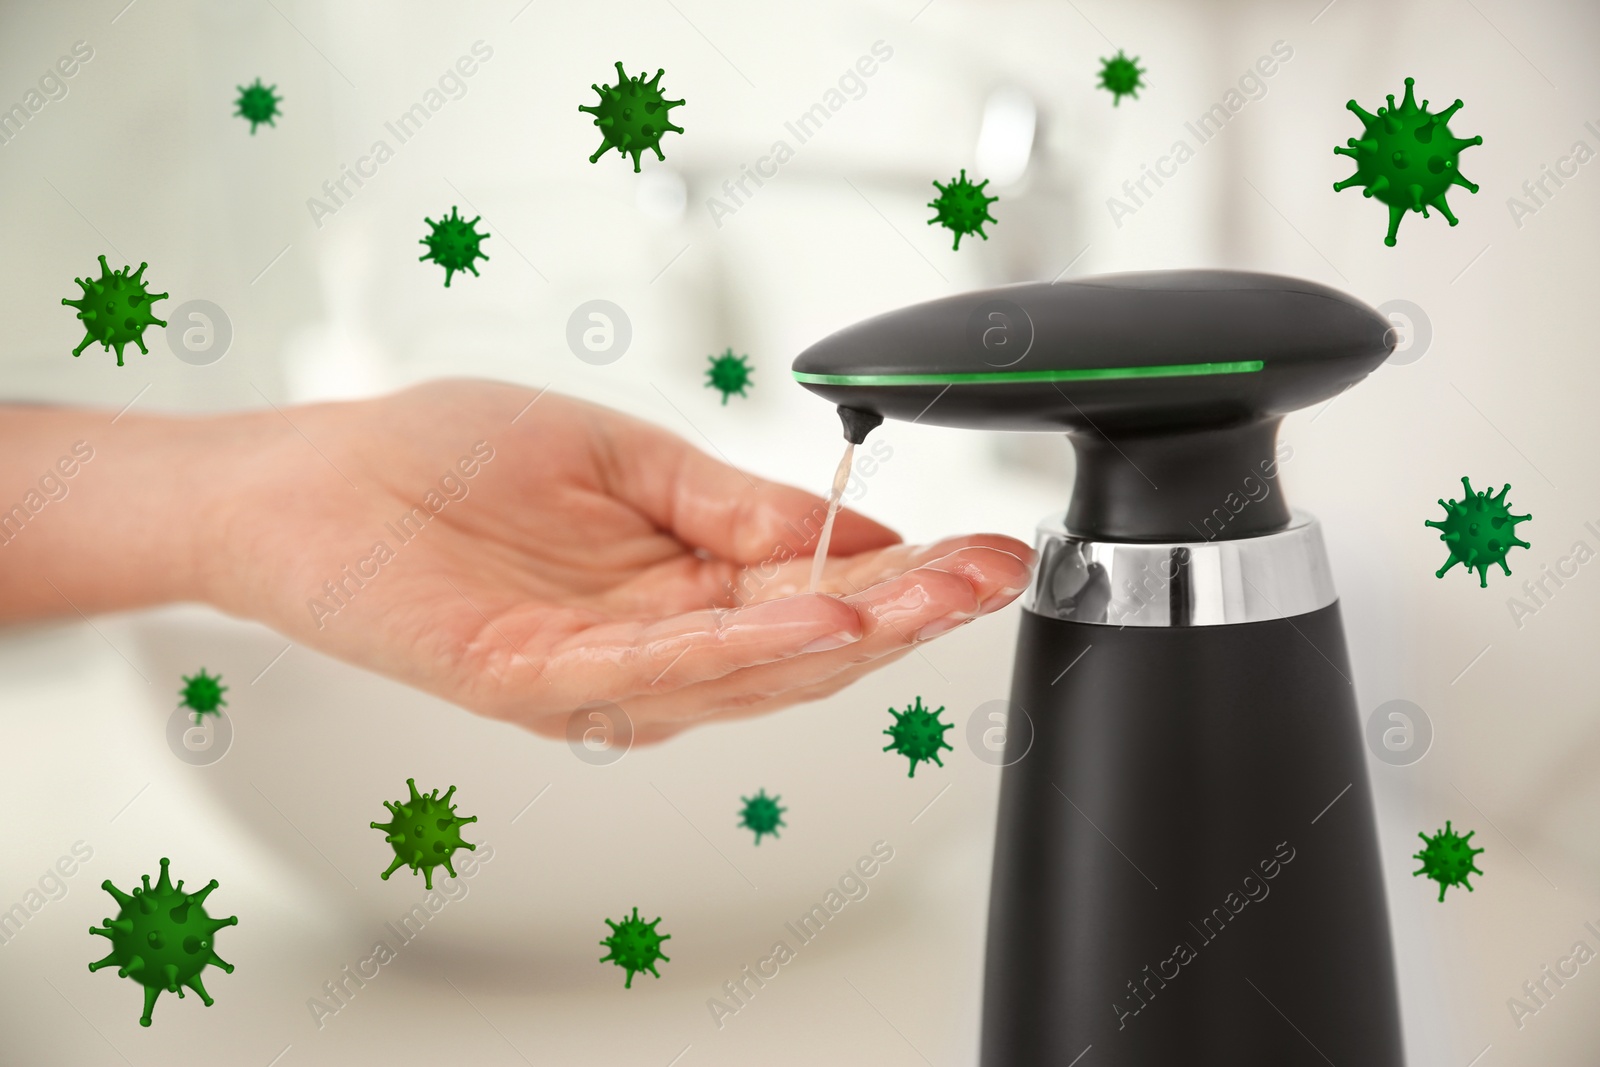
(99, 515)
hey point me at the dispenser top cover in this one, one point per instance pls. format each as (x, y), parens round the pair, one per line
(1119, 353)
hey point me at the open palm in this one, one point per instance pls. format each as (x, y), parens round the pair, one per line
(525, 554)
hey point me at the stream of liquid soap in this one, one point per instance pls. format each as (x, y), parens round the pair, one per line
(841, 478)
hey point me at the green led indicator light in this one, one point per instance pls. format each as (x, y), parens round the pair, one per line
(1076, 374)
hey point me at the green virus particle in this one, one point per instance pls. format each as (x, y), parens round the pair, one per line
(425, 832)
(258, 104)
(1119, 76)
(202, 694)
(162, 938)
(1479, 529)
(962, 207)
(635, 946)
(453, 244)
(1407, 158)
(632, 116)
(762, 814)
(728, 374)
(115, 309)
(918, 735)
(1447, 858)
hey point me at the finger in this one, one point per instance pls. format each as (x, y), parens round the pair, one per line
(852, 574)
(845, 575)
(660, 668)
(732, 514)
(653, 723)
(688, 582)
(896, 615)
(746, 695)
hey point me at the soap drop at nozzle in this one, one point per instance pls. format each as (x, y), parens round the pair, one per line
(858, 423)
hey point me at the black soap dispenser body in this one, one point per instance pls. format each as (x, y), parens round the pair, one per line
(1186, 867)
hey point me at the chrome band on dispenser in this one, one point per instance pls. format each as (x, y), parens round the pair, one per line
(1200, 583)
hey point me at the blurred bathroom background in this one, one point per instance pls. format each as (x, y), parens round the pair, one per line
(138, 155)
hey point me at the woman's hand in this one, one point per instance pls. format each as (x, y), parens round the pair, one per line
(525, 554)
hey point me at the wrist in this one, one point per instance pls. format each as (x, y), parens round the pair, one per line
(216, 474)
(108, 514)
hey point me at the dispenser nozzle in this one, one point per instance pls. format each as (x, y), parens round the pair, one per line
(858, 423)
